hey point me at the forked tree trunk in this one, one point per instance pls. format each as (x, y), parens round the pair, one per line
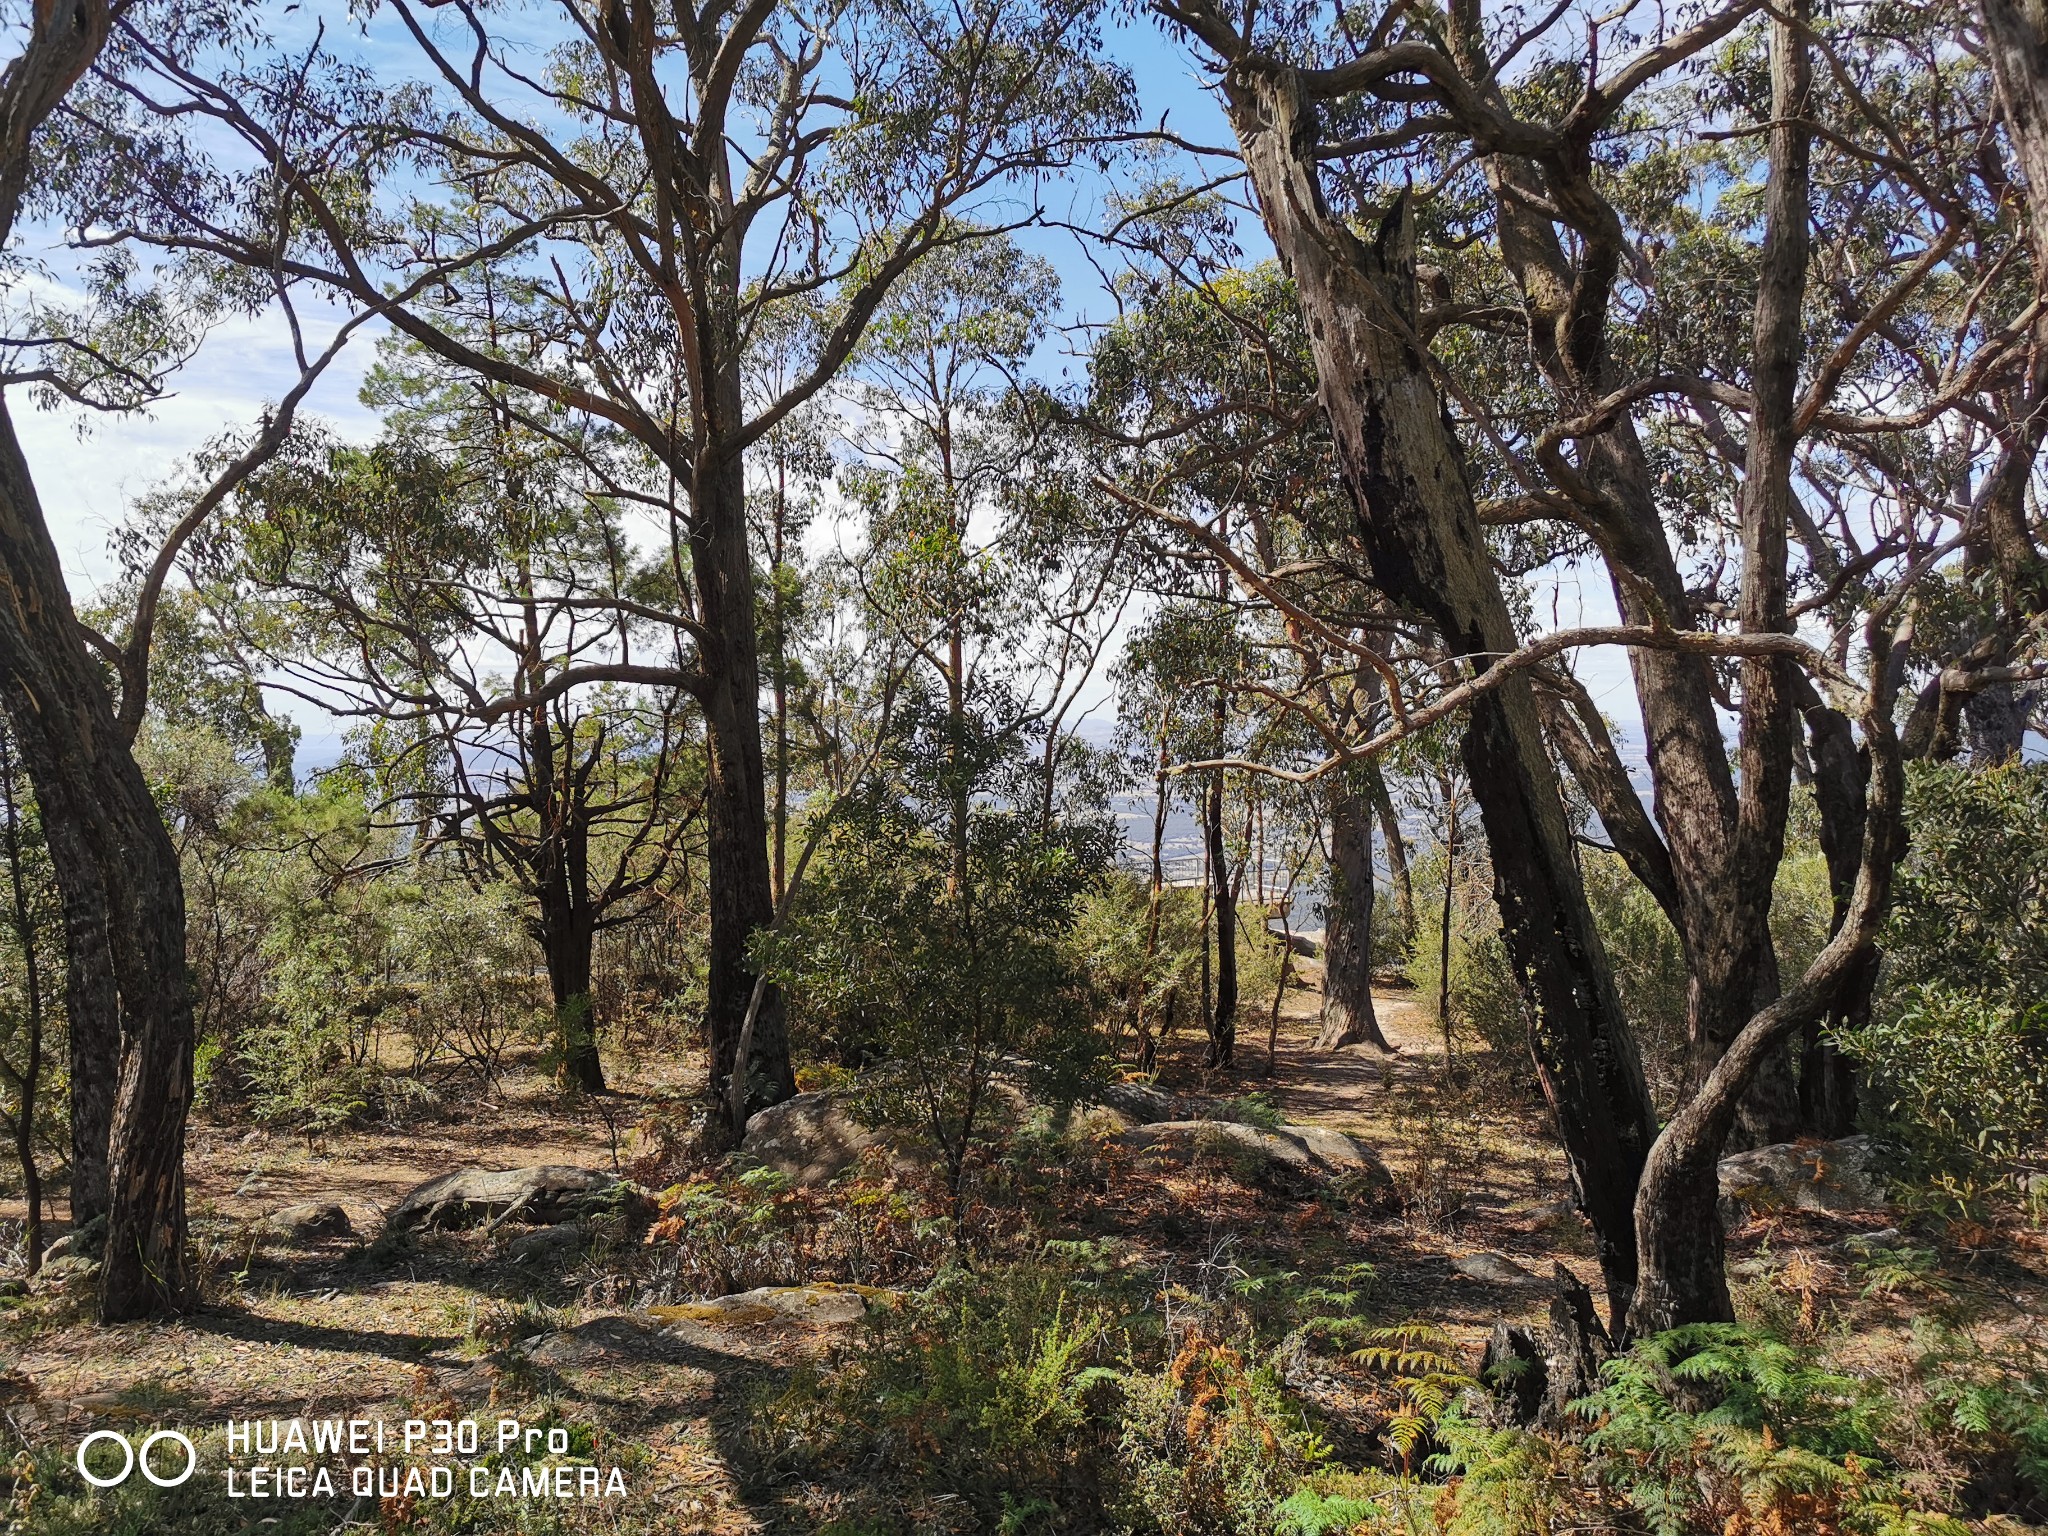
(1678, 1227)
(1401, 463)
(1348, 1017)
(1713, 867)
(1678, 1224)
(1763, 749)
(90, 789)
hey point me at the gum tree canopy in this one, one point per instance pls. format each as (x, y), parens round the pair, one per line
(645, 187)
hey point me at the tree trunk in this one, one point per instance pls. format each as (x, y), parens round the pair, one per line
(1222, 1054)
(96, 803)
(1678, 1225)
(739, 876)
(1763, 751)
(1348, 1017)
(1443, 946)
(1155, 902)
(1401, 463)
(92, 1010)
(30, 1078)
(1397, 849)
(568, 939)
(1841, 780)
(1709, 868)
(2016, 38)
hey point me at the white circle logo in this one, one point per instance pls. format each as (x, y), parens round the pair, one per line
(191, 1458)
(127, 1450)
(131, 1458)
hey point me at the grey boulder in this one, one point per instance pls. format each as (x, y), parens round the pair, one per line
(86, 1242)
(1333, 1149)
(1298, 1148)
(1141, 1101)
(1179, 1142)
(607, 1340)
(820, 1305)
(812, 1138)
(1801, 1176)
(545, 1243)
(537, 1197)
(66, 1268)
(1494, 1269)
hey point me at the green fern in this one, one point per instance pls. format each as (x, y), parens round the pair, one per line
(1418, 1360)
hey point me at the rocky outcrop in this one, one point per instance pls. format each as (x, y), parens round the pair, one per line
(1145, 1104)
(810, 1139)
(814, 1138)
(1334, 1150)
(85, 1242)
(1801, 1176)
(1493, 1269)
(1180, 1142)
(557, 1241)
(535, 1197)
(609, 1340)
(1300, 1148)
(67, 1267)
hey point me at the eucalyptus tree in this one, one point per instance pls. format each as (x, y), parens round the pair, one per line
(1179, 680)
(931, 466)
(668, 180)
(419, 585)
(974, 560)
(788, 475)
(1419, 520)
(128, 997)
(2015, 40)
(1550, 172)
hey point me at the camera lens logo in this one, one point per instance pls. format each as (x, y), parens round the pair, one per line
(131, 1458)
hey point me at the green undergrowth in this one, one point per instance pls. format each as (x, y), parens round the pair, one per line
(1075, 1394)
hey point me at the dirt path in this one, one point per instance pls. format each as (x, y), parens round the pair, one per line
(1476, 1170)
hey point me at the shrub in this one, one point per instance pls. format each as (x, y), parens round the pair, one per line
(1957, 1051)
(724, 1234)
(1212, 1443)
(1649, 967)
(991, 1388)
(947, 980)
(1068, 1393)
(1107, 942)
(432, 963)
